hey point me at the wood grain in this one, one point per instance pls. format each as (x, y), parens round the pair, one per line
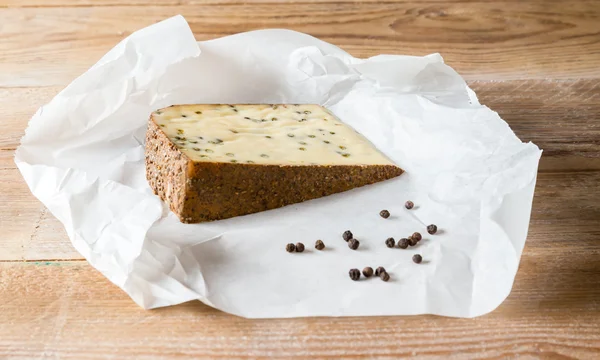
(69, 309)
(481, 39)
(565, 203)
(560, 116)
(536, 62)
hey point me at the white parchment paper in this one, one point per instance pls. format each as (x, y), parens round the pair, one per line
(466, 171)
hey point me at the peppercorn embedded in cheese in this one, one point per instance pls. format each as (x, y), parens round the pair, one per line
(265, 134)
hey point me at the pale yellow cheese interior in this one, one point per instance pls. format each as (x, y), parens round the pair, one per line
(265, 134)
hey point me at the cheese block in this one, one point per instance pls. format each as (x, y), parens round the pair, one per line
(211, 162)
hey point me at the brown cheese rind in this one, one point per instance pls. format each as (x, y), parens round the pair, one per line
(205, 191)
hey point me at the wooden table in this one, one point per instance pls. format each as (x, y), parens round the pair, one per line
(535, 62)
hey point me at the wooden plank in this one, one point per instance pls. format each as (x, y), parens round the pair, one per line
(565, 216)
(17, 106)
(481, 39)
(98, 3)
(29, 231)
(561, 117)
(68, 310)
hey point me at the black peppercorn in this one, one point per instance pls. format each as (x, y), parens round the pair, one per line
(384, 214)
(347, 235)
(417, 236)
(290, 248)
(417, 258)
(354, 274)
(384, 276)
(409, 205)
(299, 247)
(412, 242)
(319, 245)
(379, 270)
(432, 229)
(403, 243)
(353, 244)
(390, 242)
(368, 271)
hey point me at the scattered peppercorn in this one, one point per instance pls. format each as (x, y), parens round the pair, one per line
(384, 214)
(403, 243)
(432, 229)
(299, 247)
(409, 205)
(290, 248)
(353, 244)
(368, 271)
(412, 242)
(417, 236)
(417, 258)
(319, 245)
(354, 274)
(347, 235)
(379, 270)
(384, 276)
(390, 242)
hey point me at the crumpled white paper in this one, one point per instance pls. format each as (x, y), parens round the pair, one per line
(466, 171)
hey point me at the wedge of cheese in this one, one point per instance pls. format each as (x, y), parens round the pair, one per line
(211, 162)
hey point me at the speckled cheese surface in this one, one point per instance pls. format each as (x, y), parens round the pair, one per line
(265, 134)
